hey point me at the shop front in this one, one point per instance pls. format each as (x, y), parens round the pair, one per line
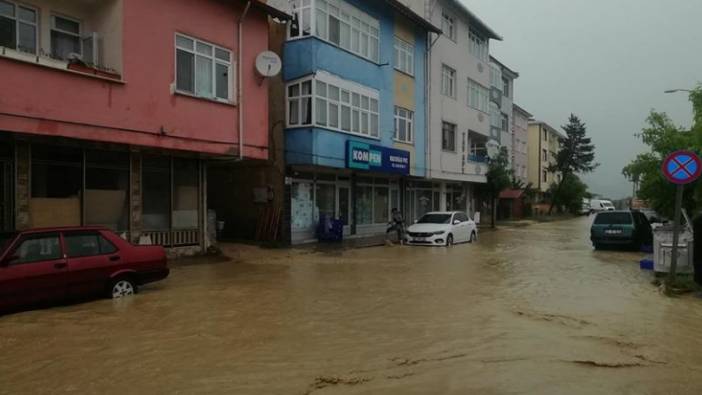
(6, 185)
(146, 197)
(361, 195)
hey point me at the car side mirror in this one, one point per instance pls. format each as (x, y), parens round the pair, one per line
(456, 221)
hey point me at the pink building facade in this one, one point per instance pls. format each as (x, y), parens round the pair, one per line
(112, 110)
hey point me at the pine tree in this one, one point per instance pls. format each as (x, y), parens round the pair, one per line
(576, 156)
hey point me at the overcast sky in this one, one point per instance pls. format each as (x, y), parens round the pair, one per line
(607, 61)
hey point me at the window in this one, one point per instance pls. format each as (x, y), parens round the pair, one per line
(448, 81)
(373, 200)
(544, 155)
(505, 123)
(545, 135)
(156, 193)
(85, 244)
(18, 27)
(404, 125)
(337, 105)
(106, 196)
(505, 87)
(339, 23)
(478, 45)
(495, 76)
(448, 26)
(203, 69)
(38, 248)
(404, 56)
(65, 37)
(478, 96)
(448, 136)
(544, 176)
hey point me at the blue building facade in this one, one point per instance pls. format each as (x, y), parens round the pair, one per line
(355, 117)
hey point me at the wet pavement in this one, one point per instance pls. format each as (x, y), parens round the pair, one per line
(526, 310)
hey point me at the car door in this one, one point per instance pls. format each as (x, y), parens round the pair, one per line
(34, 271)
(91, 260)
(462, 226)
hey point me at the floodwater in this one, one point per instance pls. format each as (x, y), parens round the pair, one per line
(527, 310)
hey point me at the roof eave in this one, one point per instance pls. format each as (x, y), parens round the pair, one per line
(480, 25)
(270, 10)
(413, 16)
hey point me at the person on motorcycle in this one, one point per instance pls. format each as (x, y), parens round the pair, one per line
(396, 224)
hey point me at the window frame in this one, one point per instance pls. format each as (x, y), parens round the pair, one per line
(215, 61)
(450, 21)
(483, 96)
(33, 236)
(403, 50)
(360, 25)
(448, 80)
(66, 234)
(443, 130)
(353, 91)
(52, 27)
(408, 117)
(505, 87)
(478, 45)
(544, 155)
(36, 24)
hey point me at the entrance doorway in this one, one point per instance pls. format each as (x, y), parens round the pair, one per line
(5, 195)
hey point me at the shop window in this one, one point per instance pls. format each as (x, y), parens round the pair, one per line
(107, 189)
(364, 204)
(186, 200)
(381, 203)
(156, 193)
(57, 180)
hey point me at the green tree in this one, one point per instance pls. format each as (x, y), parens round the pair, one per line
(499, 178)
(571, 195)
(576, 156)
(664, 137)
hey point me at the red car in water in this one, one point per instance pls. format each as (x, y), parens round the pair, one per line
(53, 264)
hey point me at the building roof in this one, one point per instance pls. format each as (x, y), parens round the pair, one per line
(549, 127)
(522, 110)
(475, 21)
(511, 73)
(413, 16)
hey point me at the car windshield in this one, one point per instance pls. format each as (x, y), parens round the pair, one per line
(613, 219)
(435, 219)
(5, 240)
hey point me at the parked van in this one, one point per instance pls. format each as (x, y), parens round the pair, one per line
(585, 207)
(628, 229)
(597, 205)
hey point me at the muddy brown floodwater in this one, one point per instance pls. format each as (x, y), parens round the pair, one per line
(530, 310)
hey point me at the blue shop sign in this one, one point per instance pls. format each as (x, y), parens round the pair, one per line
(365, 156)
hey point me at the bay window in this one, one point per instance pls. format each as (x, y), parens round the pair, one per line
(332, 103)
(338, 23)
(478, 96)
(203, 69)
(478, 45)
(18, 27)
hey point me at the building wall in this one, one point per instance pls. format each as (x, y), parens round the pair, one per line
(520, 140)
(449, 165)
(536, 161)
(534, 155)
(141, 108)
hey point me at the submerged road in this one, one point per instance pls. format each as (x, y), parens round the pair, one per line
(529, 310)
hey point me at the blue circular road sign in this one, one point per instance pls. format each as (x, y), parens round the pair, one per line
(682, 167)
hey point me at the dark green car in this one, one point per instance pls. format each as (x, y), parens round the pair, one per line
(628, 229)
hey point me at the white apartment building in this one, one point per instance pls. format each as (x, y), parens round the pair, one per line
(520, 141)
(459, 102)
(501, 103)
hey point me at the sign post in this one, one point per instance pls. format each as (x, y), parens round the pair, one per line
(680, 168)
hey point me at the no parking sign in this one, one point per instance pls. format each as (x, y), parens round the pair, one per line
(682, 167)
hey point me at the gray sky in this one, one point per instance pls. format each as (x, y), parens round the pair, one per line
(607, 61)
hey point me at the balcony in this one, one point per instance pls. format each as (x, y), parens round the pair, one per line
(82, 36)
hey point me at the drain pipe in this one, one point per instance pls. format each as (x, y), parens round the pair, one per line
(240, 77)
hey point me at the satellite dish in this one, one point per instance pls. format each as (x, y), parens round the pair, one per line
(493, 149)
(268, 64)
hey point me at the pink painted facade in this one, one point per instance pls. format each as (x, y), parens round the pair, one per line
(141, 109)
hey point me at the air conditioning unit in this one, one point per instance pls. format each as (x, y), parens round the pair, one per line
(91, 49)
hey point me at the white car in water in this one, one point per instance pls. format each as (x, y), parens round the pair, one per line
(442, 228)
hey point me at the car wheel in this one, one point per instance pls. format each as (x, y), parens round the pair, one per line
(122, 287)
(597, 246)
(449, 241)
(473, 238)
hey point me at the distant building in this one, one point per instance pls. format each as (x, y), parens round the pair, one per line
(520, 142)
(501, 103)
(543, 146)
